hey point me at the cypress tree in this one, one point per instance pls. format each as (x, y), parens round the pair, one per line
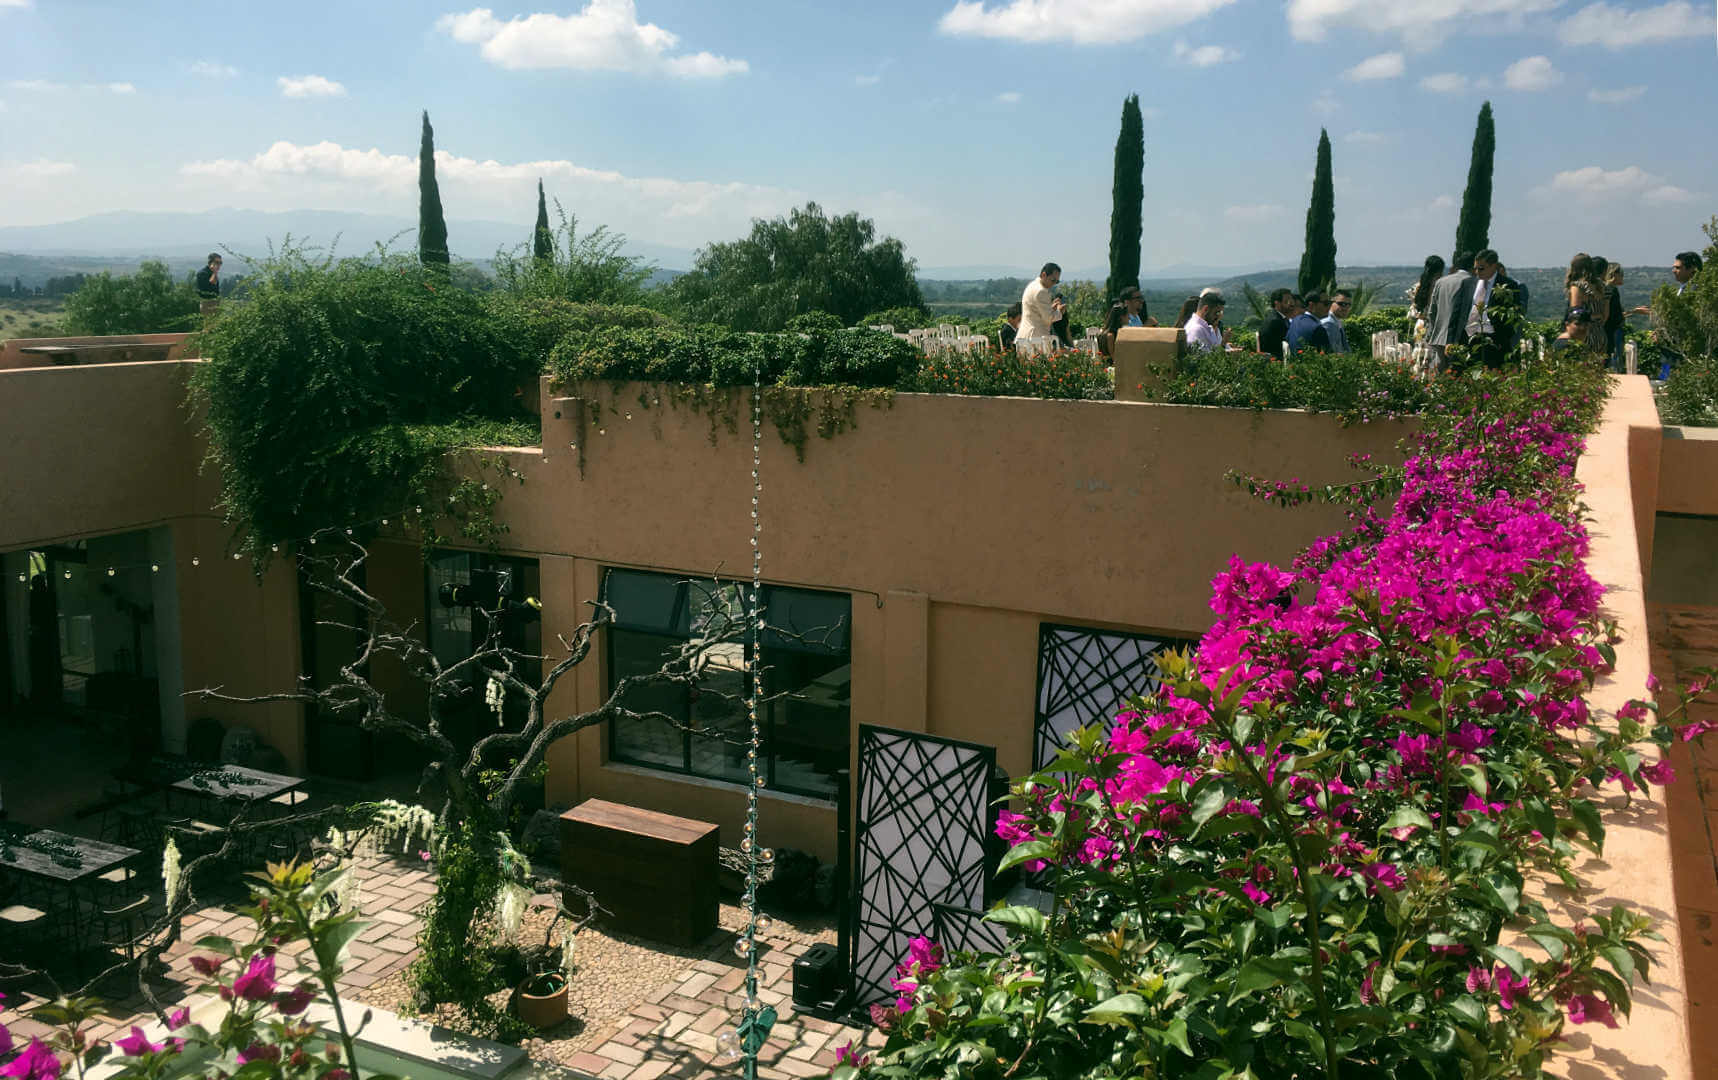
(1318, 261)
(1127, 198)
(1473, 229)
(543, 239)
(432, 227)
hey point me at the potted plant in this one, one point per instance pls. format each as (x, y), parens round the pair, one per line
(541, 1000)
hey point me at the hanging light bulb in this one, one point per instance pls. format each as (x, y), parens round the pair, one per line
(274, 548)
(728, 1046)
(763, 924)
(742, 948)
(236, 556)
(68, 575)
(196, 561)
(110, 571)
(154, 568)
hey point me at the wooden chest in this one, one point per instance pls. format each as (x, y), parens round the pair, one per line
(655, 873)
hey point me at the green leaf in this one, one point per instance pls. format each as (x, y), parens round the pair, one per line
(1176, 1035)
(1586, 815)
(1406, 816)
(1260, 973)
(217, 944)
(1032, 849)
(1508, 957)
(1619, 959)
(333, 938)
(1120, 1009)
(1209, 801)
(1029, 919)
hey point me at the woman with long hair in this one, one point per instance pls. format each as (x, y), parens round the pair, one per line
(1188, 307)
(1421, 299)
(1112, 324)
(1599, 308)
(1614, 327)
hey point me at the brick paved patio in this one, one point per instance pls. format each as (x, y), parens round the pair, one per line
(672, 1032)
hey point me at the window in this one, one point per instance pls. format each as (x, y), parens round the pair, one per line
(806, 656)
(465, 589)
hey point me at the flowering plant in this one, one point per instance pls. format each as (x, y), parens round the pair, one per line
(263, 1034)
(1312, 851)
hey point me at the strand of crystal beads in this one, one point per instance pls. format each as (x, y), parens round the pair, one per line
(746, 1039)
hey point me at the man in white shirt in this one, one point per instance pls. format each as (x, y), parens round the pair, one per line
(1039, 308)
(1202, 330)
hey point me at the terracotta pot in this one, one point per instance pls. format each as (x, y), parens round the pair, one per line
(541, 1010)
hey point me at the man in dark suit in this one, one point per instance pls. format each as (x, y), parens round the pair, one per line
(1275, 329)
(1306, 330)
(1486, 312)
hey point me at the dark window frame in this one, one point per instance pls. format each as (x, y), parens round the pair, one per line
(678, 626)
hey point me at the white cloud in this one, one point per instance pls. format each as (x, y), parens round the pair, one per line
(1532, 73)
(605, 36)
(1615, 97)
(1618, 28)
(1421, 26)
(213, 70)
(1444, 202)
(867, 80)
(291, 164)
(1370, 137)
(14, 3)
(40, 169)
(1326, 103)
(1595, 185)
(1389, 65)
(1081, 22)
(37, 86)
(118, 87)
(1205, 55)
(299, 86)
(1256, 213)
(1448, 82)
(1009, 97)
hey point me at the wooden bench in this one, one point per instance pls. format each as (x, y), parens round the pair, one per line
(655, 873)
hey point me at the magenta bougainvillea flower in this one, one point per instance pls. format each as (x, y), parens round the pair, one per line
(36, 1062)
(257, 983)
(1591, 1009)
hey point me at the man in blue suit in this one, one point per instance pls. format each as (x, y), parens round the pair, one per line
(1307, 331)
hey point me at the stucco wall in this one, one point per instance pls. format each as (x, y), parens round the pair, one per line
(1688, 473)
(114, 348)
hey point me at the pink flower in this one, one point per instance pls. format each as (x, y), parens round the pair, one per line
(259, 1052)
(885, 1017)
(1659, 772)
(5, 1038)
(1368, 996)
(1508, 986)
(848, 1055)
(1379, 874)
(136, 1044)
(1254, 893)
(1478, 979)
(295, 1002)
(178, 1018)
(37, 1062)
(1584, 1008)
(207, 965)
(257, 983)
(1634, 710)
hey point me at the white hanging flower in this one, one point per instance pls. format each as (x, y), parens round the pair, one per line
(170, 871)
(510, 911)
(495, 696)
(349, 894)
(567, 957)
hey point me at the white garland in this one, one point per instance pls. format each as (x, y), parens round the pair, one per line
(510, 910)
(170, 871)
(495, 696)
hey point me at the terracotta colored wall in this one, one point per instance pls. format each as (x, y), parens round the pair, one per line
(12, 357)
(92, 450)
(1688, 471)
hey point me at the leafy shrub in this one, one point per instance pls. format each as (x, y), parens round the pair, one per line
(538, 323)
(334, 393)
(1360, 328)
(1070, 373)
(901, 318)
(724, 358)
(147, 302)
(1352, 385)
(1688, 325)
(587, 269)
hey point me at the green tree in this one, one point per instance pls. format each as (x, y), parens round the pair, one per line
(147, 302)
(588, 268)
(1127, 198)
(1318, 260)
(432, 226)
(791, 265)
(1473, 229)
(542, 237)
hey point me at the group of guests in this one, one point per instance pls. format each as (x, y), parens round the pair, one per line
(1476, 305)
(1312, 321)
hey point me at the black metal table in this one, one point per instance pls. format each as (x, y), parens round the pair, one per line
(235, 783)
(74, 859)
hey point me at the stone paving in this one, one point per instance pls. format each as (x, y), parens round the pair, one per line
(672, 1032)
(1684, 638)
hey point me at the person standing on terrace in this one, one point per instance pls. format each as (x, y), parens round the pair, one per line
(1010, 327)
(1202, 330)
(209, 278)
(1039, 308)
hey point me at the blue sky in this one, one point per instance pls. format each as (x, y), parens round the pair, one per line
(977, 131)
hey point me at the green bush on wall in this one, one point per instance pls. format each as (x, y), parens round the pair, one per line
(713, 355)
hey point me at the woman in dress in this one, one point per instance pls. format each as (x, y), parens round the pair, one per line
(1188, 306)
(1599, 309)
(1614, 326)
(1421, 297)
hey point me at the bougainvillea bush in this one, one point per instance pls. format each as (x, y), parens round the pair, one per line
(1310, 852)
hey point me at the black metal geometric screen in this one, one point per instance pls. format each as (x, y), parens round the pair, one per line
(1083, 675)
(920, 826)
(961, 929)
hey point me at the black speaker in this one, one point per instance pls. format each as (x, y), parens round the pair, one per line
(817, 978)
